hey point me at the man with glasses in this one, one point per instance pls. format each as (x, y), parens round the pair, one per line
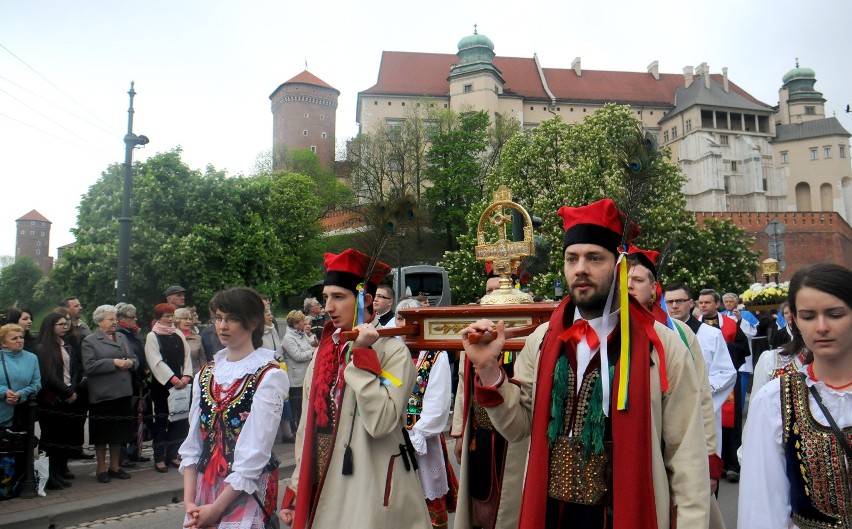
(720, 369)
(383, 304)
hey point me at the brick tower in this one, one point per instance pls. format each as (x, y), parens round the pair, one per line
(303, 116)
(33, 240)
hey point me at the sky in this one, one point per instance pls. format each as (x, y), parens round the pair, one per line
(204, 69)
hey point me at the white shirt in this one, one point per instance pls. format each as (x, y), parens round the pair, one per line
(426, 432)
(254, 444)
(764, 501)
(720, 371)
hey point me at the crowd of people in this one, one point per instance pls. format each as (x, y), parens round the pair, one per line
(627, 409)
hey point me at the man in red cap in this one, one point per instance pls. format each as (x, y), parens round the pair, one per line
(353, 467)
(643, 285)
(635, 459)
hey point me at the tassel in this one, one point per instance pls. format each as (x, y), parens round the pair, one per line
(347, 461)
(593, 430)
(557, 399)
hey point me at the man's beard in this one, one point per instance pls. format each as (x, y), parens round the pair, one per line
(594, 301)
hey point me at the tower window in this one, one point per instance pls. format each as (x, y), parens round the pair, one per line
(324, 135)
(314, 149)
(810, 111)
(688, 125)
(38, 251)
(734, 166)
(38, 243)
(674, 132)
(785, 157)
(389, 103)
(322, 117)
(306, 115)
(467, 88)
(826, 152)
(375, 102)
(842, 149)
(304, 133)
(531, 108)
(724, 140)
(403, 103)
(666, 136)
(813, 153)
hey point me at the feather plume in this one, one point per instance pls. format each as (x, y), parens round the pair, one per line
(638, 158)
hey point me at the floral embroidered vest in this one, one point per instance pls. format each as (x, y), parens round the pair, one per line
(415, 400)
(222, 421)
(819, 481)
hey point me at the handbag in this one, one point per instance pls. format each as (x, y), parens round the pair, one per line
(270, 520)
(179, 400)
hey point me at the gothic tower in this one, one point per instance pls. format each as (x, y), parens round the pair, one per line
(33, 240)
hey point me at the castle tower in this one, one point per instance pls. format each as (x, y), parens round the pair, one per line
(798, 100)
(475, 82)
(33, 240)
(303, 117)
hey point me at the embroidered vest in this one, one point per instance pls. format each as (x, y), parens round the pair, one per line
(819, 482)
(221, 424)
(415, 400)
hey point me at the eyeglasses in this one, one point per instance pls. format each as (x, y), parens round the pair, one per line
(383, 297)
(677, 301)
(227, 320)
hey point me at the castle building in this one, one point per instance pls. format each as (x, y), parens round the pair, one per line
(739, 154)
(33, 240)
(303, 117)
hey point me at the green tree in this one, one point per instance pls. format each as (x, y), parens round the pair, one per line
(18, 282)
(455, 171)
(558, 164)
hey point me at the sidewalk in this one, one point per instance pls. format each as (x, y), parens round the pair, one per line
(88, 500)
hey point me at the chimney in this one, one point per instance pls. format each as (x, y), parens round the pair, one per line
(725, 79)
(687, 76)
(575, 64)
(654, 69)
(704, 70)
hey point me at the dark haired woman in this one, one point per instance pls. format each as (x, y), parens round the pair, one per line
(24, 318)
(795, 470)
(229, 469)
(169, 360)
(787, 358)
(60, 374)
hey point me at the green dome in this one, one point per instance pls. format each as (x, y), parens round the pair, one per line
(475, 41)
(798, 73)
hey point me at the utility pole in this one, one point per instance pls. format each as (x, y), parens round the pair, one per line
(131, 140)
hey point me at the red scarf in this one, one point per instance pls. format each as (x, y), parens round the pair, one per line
(633, 490)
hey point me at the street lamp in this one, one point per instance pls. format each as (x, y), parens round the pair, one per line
(131, 141)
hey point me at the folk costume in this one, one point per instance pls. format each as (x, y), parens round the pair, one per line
(794, 471)
(352, 463)
(233, 422)
(774, 363)
(491, 473)
(635, 460)
(427, 415)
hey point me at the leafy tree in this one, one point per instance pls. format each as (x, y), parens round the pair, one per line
(455, 170)
(558, 164)
(201, 230)
(17, 283)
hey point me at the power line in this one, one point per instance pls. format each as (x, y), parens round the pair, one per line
(66, 140)
(112, 133)
(48, 81)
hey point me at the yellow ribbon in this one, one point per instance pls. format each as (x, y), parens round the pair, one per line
(624, 317)
(390, 378)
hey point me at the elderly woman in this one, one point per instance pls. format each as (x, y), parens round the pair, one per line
(185, 322)
(108, 362)
(170, 362)
(24, 318)
(61, 373)
(127, 325)
(20, 378)
(299, 346)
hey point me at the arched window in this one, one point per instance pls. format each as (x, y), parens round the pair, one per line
(803, 197)
(826, 198)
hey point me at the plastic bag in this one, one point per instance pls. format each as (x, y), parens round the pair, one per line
(40, 471)
(179, 400)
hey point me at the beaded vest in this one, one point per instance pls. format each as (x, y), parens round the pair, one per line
(222, 420)
(415, 400)
(819, 481)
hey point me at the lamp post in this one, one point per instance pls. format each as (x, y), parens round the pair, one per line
(131, 140)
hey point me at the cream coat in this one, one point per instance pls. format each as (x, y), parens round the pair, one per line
(356, 501)
(513, 473)
(676, 426)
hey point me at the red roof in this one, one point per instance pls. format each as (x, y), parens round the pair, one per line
(34, 215)
(426, 74)
(308, 78)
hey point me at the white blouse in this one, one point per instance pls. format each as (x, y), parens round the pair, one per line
(425, 434)
(254, 445)
(764, 501)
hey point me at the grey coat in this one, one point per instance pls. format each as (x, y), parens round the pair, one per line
(107, 382)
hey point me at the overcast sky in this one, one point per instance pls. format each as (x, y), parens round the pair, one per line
(204, 69)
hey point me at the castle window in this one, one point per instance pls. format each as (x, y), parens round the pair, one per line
(842, 149)
(324, 135)
(785, 157)
(322, 117)
(38, 243)
(544, 108)
(826, 152)
(666, 136)
(375, 102)
(688, 125)
(652, 112)
(467, 88)
(389, 103)
(584, 110)
(723, 139)
(445, 105)
(403, 103)
(306, 115)
(38, 251)
(558, 109)
(810, 111)
(314, 149)
(304, 133)
(531, 108)
(572, 109)
(674, 132)
(813, 153)
(42, 234)
(734, 166)
(764, 184)
(727, 184)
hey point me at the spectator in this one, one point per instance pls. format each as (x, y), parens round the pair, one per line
(229, 470)
(108, 363)
(175, 296)
(184, 323)
(316, 314)
(210, 342)
(60, 375)
(299, 346)
(169, 359)
(271, 338)
(141, 401)
(784, 334)
(76, 310)
(383, 304)
(21, 378)
(787, 358)
(24, 318)
(75, 436)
